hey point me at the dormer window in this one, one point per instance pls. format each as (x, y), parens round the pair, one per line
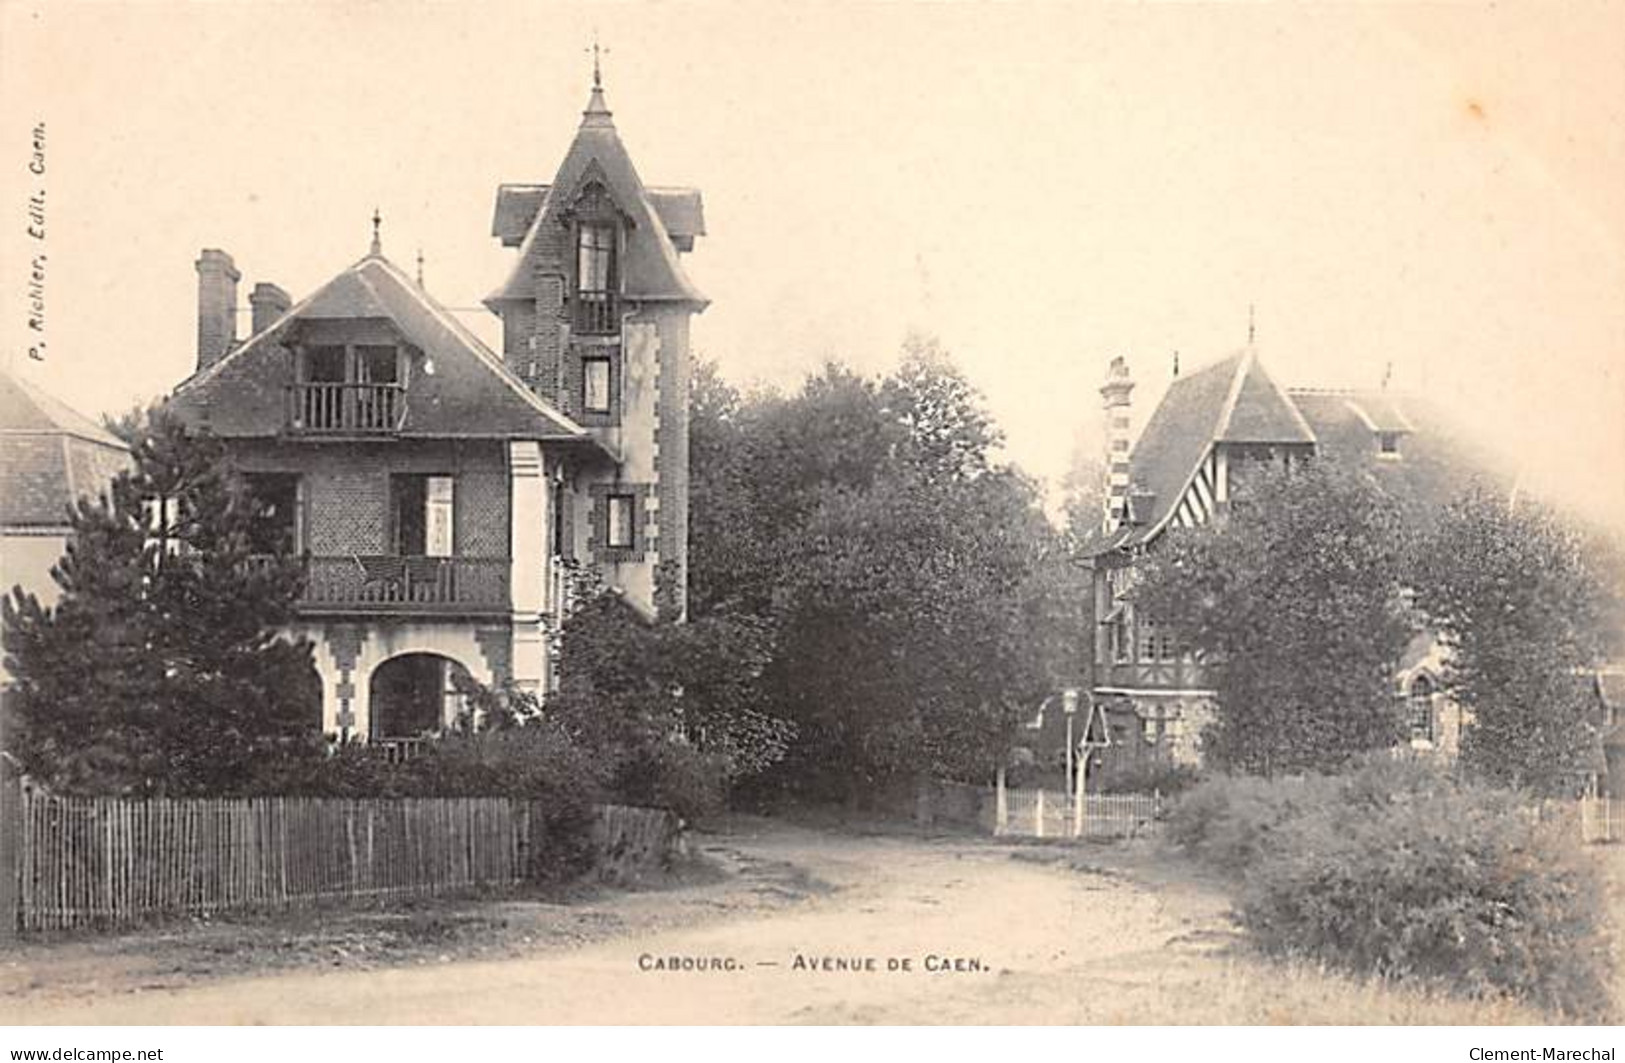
(596, 279)
(347, 388)
(1388, 444)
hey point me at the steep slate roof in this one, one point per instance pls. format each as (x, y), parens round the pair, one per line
(50, 455)
(471, 393)
(681, 210)
(1232, 400)
(1434, 463)
(650, 269)
(1236, 401)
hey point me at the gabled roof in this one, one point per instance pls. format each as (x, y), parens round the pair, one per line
(681, 210)
(1258, 411)
(1433, 464)
(50, 455)
(650, 269)
(470, 394)
(1232, 400)
(25, 408)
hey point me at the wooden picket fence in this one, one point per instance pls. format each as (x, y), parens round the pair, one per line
(92, 862)
(1602, 819)
(1050, 814)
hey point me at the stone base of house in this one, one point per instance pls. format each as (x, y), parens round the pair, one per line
(394, 677)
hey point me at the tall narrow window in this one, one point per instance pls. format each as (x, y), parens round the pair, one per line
(1422, 709)
(618, 521)
(276, 527)
(595, 385)
(595, 277)
(424, 517)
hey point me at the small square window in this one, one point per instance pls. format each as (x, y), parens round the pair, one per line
(595, 385)
(1388, 442)
(619, 527)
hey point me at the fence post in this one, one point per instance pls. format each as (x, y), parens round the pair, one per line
(1038, 815)
(1001, 805)
(11, 835)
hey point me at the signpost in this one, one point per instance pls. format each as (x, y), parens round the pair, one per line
(1096, 735)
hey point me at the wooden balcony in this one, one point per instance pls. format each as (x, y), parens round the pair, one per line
(346, 409)
(392, 584)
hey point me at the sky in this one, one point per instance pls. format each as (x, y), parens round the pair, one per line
(1438, 188)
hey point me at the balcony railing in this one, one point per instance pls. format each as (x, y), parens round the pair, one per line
(397, 584)
(596, 314)
(349, 409)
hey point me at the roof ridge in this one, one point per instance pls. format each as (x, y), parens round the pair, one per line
(1228, 410)
(484, 353)
(63, 419)
(208, 372)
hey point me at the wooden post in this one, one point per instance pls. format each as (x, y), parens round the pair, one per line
(1001, 806)
(11, 837)
(1080, 795)
(1038, 815)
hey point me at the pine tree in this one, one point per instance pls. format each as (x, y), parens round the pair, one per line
(159, 670)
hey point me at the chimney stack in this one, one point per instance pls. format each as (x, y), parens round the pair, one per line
(269, 302)
(217, 279)
(1115, 396)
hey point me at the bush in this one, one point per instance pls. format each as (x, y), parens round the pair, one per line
(536, 762)
(674, 776)
(1397, 869)
(1146, 778)
(1229, 822)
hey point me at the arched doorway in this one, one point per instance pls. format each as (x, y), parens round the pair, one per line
(415, 694)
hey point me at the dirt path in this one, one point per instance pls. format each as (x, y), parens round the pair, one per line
(811, 927)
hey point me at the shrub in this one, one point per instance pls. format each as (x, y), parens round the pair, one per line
(1146, 778)
(1397, 869)
(1228, 822)
(535, 762)
(1458, 886)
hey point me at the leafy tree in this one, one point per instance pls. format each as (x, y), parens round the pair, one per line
(671, 712)
(911, 591)
(159, 669)
(1295, 603)
(1525, 614)
(1083, 491)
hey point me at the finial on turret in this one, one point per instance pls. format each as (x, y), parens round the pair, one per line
(1252, 324)
(597, 110)
(377, 240)
(597, 68)
(420, 267)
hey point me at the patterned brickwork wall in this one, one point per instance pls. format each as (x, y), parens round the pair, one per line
(481, 509)
(551, 337)
(347, 491)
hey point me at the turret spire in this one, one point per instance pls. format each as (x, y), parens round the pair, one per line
(377, 240)
(597, 111)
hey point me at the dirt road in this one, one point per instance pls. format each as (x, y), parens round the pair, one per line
(813, 927)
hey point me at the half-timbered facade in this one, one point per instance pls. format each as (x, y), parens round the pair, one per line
(1209, 429)
(442, 493)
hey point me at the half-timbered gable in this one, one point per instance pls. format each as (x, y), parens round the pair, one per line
(1211, 428)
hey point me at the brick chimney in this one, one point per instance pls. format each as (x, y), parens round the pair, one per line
(1115, 396)
(217, 279)
(269, 302)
